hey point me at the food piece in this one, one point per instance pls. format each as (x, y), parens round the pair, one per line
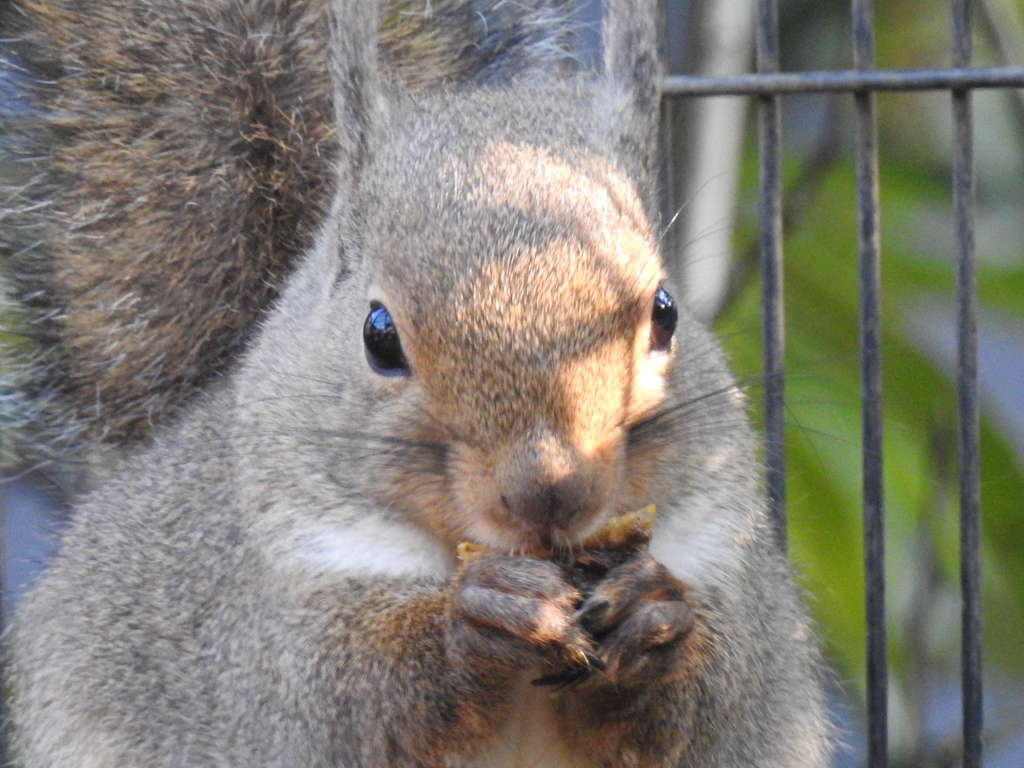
(469, 550)
(628, 529)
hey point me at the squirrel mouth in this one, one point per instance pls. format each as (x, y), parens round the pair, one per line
(630, 528)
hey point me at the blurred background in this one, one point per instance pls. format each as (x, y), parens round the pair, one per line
(714, 243)
(711, 246)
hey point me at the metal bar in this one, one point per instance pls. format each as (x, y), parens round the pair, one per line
(844, 81)
(868, 255)
(967, 392)
(772, 314)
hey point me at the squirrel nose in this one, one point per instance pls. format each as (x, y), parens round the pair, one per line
(546, 483)
(550, 505)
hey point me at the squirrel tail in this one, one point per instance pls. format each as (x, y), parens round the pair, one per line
(163, 166)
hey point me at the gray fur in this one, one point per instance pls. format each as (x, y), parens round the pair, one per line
(187, 620)
(186, 144)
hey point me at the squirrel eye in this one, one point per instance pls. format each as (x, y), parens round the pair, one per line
(383, 347)
(664, 317)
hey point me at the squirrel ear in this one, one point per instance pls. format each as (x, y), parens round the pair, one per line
(355, 74)
(631, 71)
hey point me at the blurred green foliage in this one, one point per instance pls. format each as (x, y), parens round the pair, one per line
(822, 359)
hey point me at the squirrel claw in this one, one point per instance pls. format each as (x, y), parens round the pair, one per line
(595, 662)
(563, 678)
(592, 611)
(570, 676)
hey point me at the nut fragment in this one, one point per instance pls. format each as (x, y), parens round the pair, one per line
(469, 550)
(629, 528)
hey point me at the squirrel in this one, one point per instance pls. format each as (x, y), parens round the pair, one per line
(161, 148)
(344, 286)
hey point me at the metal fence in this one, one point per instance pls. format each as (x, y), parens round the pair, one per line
(768, 85)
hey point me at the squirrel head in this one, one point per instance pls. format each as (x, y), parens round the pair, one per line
(494, 328)
(511, 315)
(481, 341)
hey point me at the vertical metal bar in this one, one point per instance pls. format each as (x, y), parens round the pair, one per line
(772, 316)
(868, 251)
(967, 393)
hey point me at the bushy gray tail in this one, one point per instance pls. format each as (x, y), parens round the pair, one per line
(164, 165)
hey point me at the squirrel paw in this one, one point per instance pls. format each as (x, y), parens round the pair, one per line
(518, 612)
(637, 615)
